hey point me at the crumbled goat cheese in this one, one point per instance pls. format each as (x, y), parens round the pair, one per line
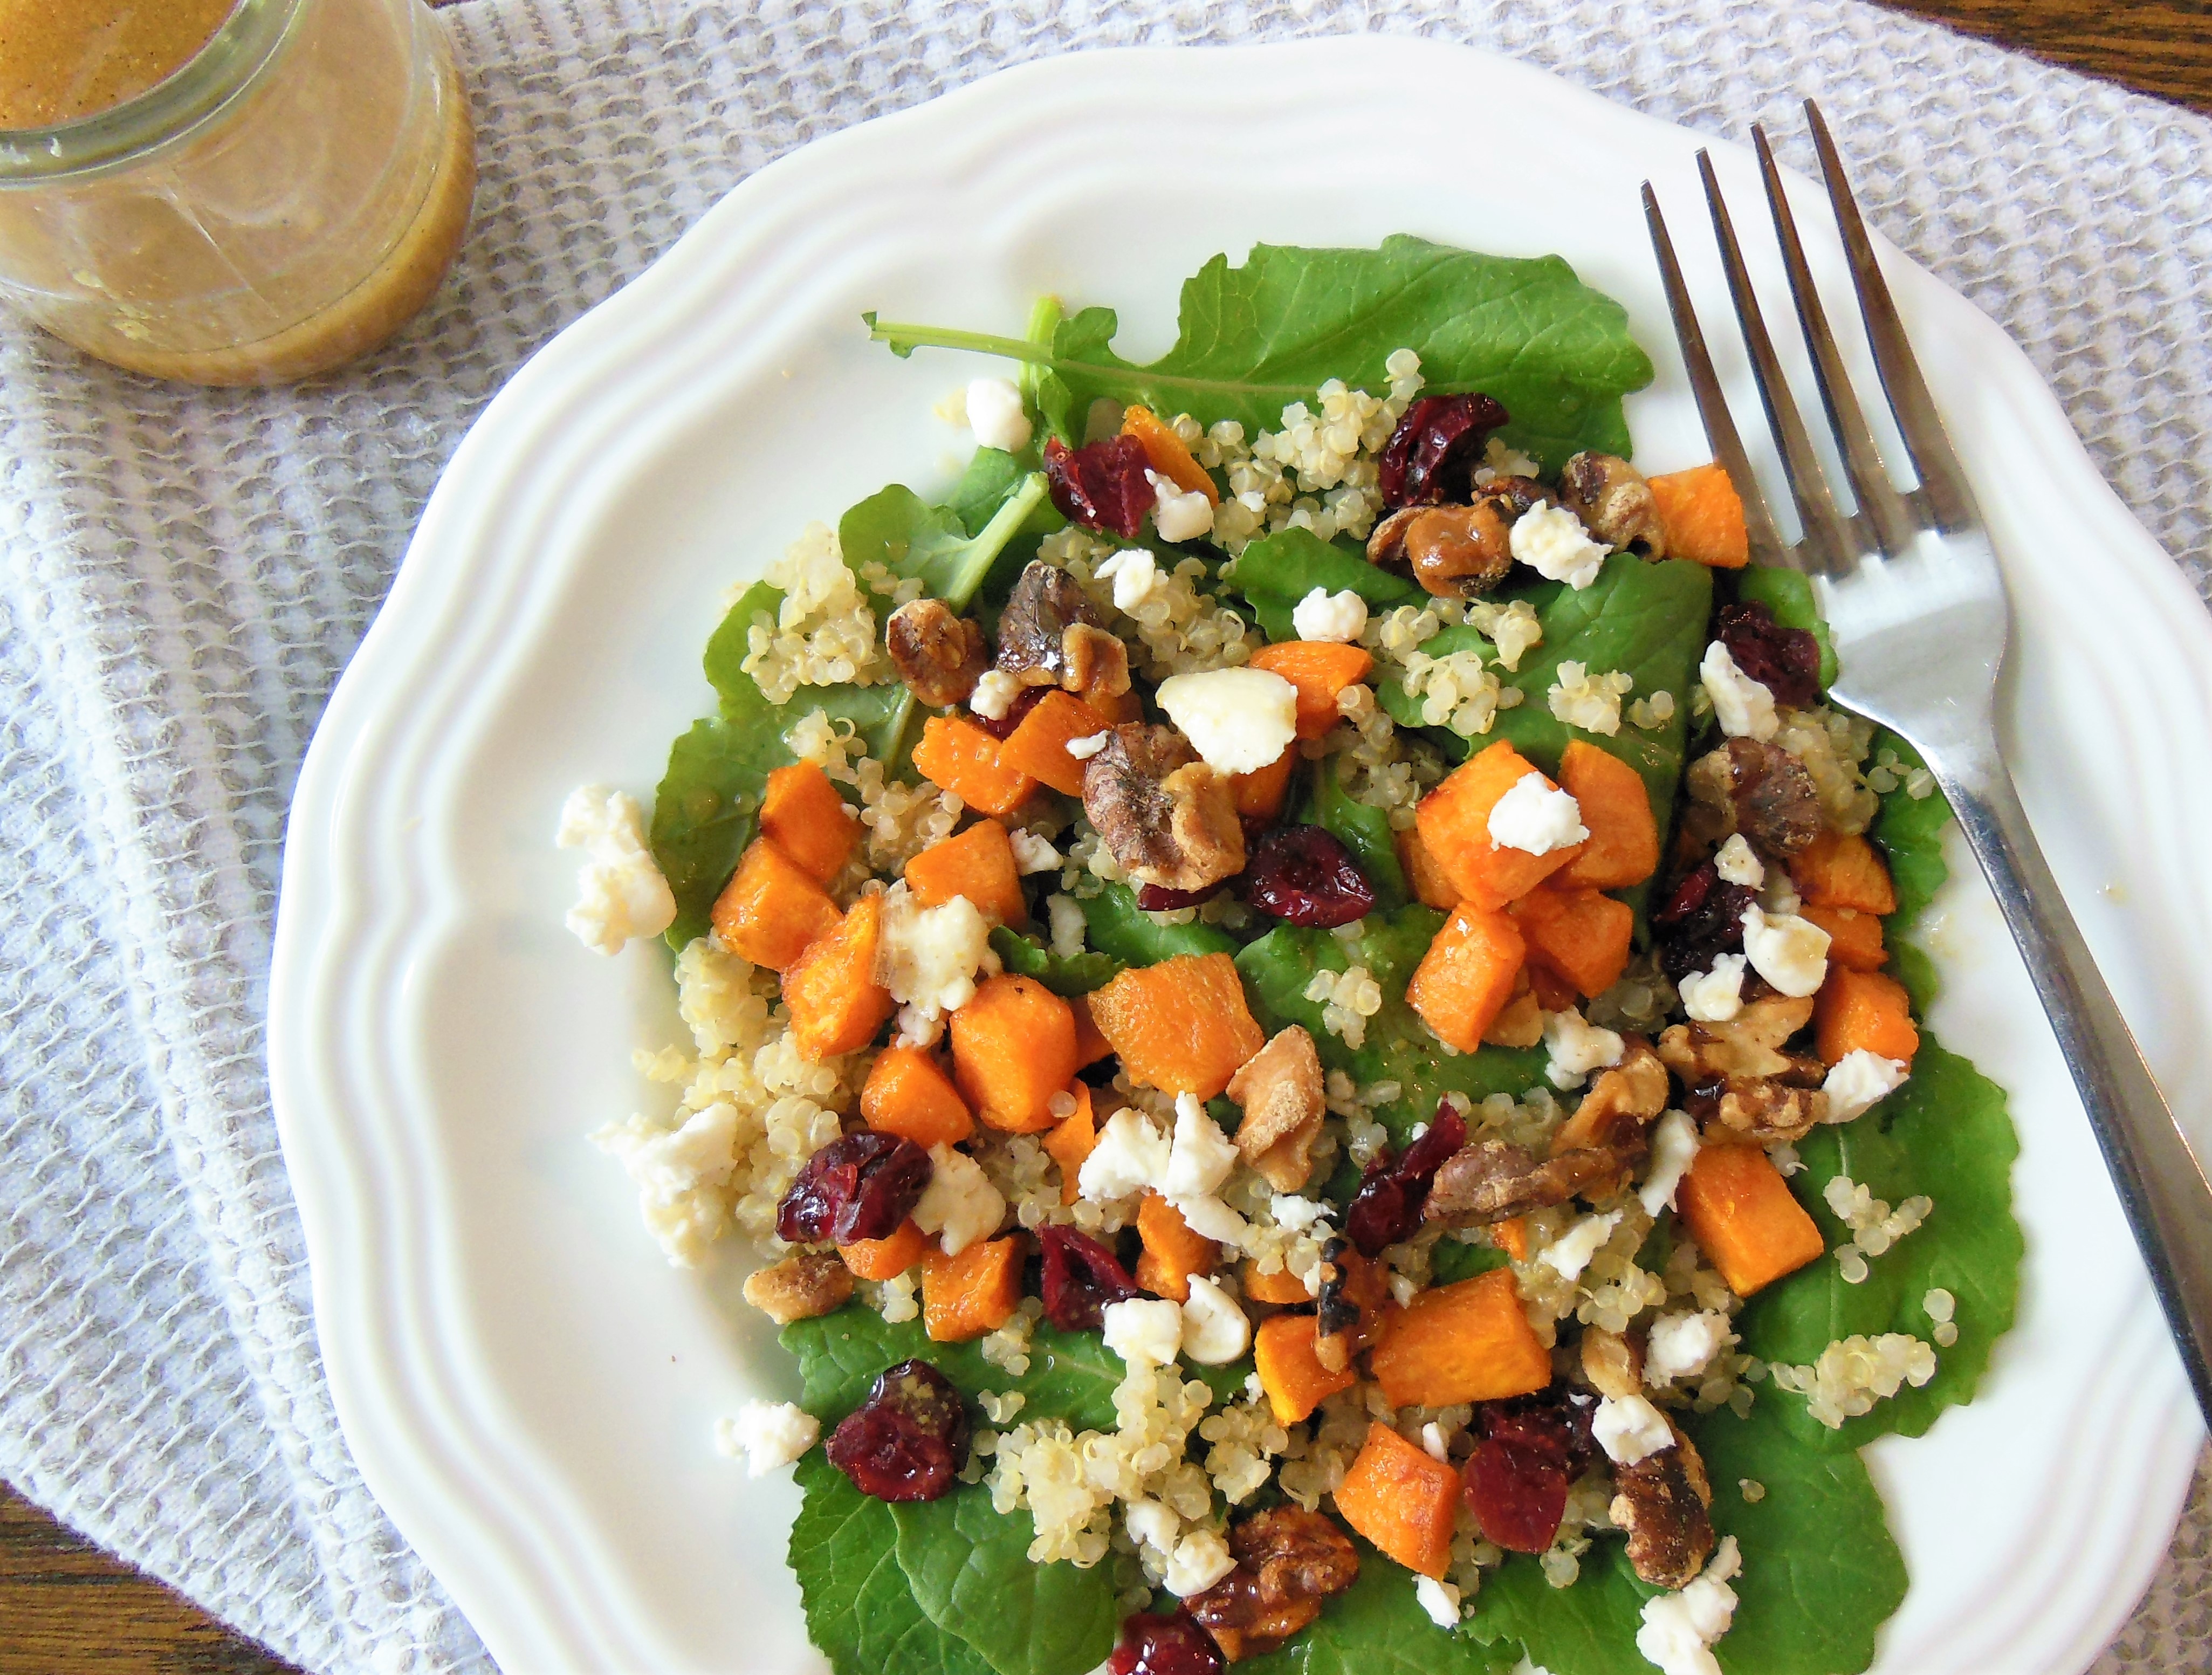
(620, 893)
(1778, 894)
(1145, 1331)
(1210, 1218)
(1737, 862)
(1179, 514)
(1135, 575)
(1551, 541)
(1239, 720)
(682, 1174)
(927, 957)
(1322, 614)
(996, 416)
(1201, 1155)
(1743, 707)
(1674, 1144)
(770, 1434)
(960, 1204)
(1433, 1441)
(1214, 1330)
(1858, 1080)
(1088, 746)
(1033, 853)
(1790, 952)
(1589, 702)
(1629, 1429)
(1715, 996)
(1131, 1154)
(1535, 817)
(1577, 1047)
(1201, 1559)
(1570, 1253)
(1296, 1214)
(1439, 1599)
(1680, 1629)
(1682, 1344)
(1064, 914)
(995, 694)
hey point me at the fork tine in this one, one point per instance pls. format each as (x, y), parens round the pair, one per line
(1942, 481)
(1825, 546)
(1766, 546)
(1878, 500)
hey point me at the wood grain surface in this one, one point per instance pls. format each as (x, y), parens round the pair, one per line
(68, 1609)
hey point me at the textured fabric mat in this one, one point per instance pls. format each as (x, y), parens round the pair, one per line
(184, 574)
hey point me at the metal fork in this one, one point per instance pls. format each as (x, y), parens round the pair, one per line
(1910, 586)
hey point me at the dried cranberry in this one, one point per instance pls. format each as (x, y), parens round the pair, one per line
(1101, 485)
(861, 1187)
(1303, 875)
(1153, 1645)
(1024, 701)
(1701, 921)
(1785, 661)
(1387, 1209)
(1080, 1277)
(908, 1441)
(1516, 1483)
(1434, 448)
(1158, 899)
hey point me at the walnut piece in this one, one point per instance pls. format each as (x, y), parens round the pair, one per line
(1759, 790)
(1660, 1502)
(1612, 1363)
(1288, 1561)
(1739, 1077)
(1045, 604)
(800, 1287)
(1167, 818)
(1279, 1088)
(939, 656)
(1620, 1105)
(1613, 502)
(1453, 551)
(1494, 1181)
(1093, 663)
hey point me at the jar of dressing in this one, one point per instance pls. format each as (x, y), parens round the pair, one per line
(228, 191)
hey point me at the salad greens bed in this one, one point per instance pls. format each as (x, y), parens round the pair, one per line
(945, 1587)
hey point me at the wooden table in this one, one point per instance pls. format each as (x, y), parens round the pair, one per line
(68, 1609)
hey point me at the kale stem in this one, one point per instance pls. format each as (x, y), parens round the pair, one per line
(905, 339)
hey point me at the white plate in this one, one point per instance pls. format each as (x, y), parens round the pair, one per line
(529, 1390)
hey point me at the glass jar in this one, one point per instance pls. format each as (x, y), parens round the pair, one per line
(280, 205)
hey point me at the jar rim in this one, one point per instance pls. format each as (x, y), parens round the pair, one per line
(223, 68)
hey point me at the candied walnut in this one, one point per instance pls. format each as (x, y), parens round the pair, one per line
(1785, 661)
(1748, 1044)
(1769, 1111)
(1615, 503)
(1494, 1181)
(1352, 1293)
(1612, 1363)
(1288, 1561)
(1456, 552)
(1101, 485)
(1167, 818)
(1395, 1190)
(1619, 1105)
(1045, 604)
(1305, 876)
(1432, 453)
(939, 656)
(1280, 1089)
(1660, 1502)
(800, 1287)
(1761, 790)
(1093, 663)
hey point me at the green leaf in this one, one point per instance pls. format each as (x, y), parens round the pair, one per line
(1788, 594)
(1064, 975)
(1589, 1628)
(1364, 831)
(1376, 1627)
(1072, 1374)
(1120, 930)
(1910, 830)
(971, 1574)
(704, 812)
(1275, 573)
(1945, 1133)
(896, 528)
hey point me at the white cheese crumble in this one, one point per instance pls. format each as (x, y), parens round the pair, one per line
(996, 416)
(1179, 514)
(1131, 1154)
(1135, 576)
(1715, 996)
(1144, 1331)
(1064, 914)
(1551, 541)
(1201, 1559)
(1577, 1047)
(1214, 1330)
(1210, 1218)
(1680, 1629)
(1674, 1144)
(1201, 1156)
(960, 1204)
(1439, 1599)
(1297, 1214)
(620, 893)
(1032, 854)
(1321, 614)
(927, 957)
(770, 1434)
(1790, 952)
(995, 694)
(1535, 817)
(1433, 1442)
(682, 1176)
(1737, 862)
(1743, 707)
(1570, 1253)
(1239, 720)
(1859, 1080)
(1629, 1429)
(1682, 1344)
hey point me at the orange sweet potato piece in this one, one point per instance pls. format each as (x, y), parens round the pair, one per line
(837, 1006)
(1862, 1009)
(1261, 793)
(1320, 669)
(1431, 885)
(1071, 1142)
(1468, 1342)
(960, 757)
(803, 815)
(978, 864)
(1038, 747)
(1014, 1048)
(1291, 1373)
(1182, 1025)
(1580, 934)
(1454, 821)
(977, 1291)
(1703, 516)
(909, 1094)
(1854, 937)
(1281, 1287)
(1624, 838)
(1836, 870)
(1116, 707)
(1742, 1213)
(772, 908)
(1465, 977)
(887, 1257)
(1091, 1046)
(1511, 1237)
(1403, 1499)
(1167, 452)
(1172, 1251)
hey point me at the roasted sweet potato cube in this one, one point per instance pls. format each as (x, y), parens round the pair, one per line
(1014, 1048)
(1624, 837)
(1070, 1141)
(1703, 516)
(803, 815)
(978, 864)
(1853, 938)
(1181, 1026)
(1431, 885)
(1290, 1371)
(1172, 1253)
(1857, 1009)
(958, 756)
(1038, 747)
(772, 908)
(1837, 869)
(1168, 454)
(1742, 1213)
(1468, 975)
(908, 1094)
(1282, 1287)
(964, 1296)
(835, 1003)
(1454, 821)
(1260, 795)
(1580, 934)
(1467, 1342)
(886, 1258)
(1403, 1500)
(1320, 669)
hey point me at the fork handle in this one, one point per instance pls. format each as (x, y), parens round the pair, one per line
(2162, 1188)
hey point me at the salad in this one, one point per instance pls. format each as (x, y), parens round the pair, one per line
(1313, 1019)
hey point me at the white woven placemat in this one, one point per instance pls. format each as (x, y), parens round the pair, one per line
(184, 574)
